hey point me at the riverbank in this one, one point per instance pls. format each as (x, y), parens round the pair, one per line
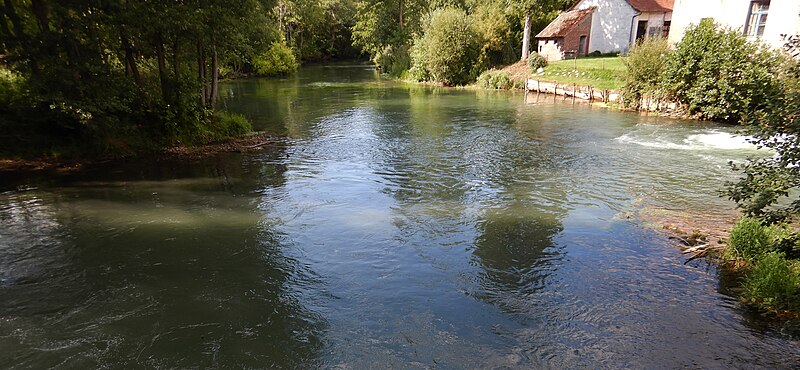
(249, 142)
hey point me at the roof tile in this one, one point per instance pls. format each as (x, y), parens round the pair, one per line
(565, 21)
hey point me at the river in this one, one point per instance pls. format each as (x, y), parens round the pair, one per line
(393, 225)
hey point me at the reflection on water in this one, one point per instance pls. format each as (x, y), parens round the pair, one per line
(150, 270)
(400, 226)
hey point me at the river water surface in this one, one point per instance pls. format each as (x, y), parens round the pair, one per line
(394, 226)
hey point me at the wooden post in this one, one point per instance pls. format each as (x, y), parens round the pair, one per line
(574, 86)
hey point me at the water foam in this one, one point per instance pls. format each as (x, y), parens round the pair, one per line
(712, 139)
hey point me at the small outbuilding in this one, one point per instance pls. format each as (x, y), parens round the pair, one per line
(567, 35)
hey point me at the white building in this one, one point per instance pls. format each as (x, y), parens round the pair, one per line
(616, 24)
(767, 20)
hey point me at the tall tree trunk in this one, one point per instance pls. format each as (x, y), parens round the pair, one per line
(526, 37)
(39, 9)
(176, 72)
(214, 77)
(175, 59)
(162, 68)
(19, 35)
(402, 8)
(280, 18)
(14, 18)
(130, 61)
(201, 74)
(3, 24)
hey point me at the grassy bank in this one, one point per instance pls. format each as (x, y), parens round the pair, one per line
(601, 73)
(767, 258)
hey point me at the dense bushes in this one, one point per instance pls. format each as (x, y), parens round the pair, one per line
(750, 239)
(394, 60)
(771, 280)
(494, 79)
(645, 68)
(714, 73)
(774, 283)
(720, 75)
(495, 35)
(536, 61)
(448, 49)
(278, 60)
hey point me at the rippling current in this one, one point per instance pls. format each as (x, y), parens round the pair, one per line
(393, 226)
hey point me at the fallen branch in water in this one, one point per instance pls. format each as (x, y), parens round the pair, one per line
(696, 249)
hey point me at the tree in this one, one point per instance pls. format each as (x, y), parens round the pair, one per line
(717, 74)
(769, 187)
(448, 49)
(537, 14)
(92, 67)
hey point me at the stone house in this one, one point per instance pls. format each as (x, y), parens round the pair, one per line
(613, 26)
(765, 20)
(567, 35)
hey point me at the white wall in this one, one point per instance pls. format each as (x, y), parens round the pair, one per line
(550, 50)
(783, 17)
(611, 24)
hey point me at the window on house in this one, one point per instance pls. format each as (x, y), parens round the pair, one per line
(665, 29)
(757, 18)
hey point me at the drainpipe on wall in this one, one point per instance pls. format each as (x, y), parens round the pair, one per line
(632, 36)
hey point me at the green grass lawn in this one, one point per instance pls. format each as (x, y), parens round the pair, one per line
(601, 73)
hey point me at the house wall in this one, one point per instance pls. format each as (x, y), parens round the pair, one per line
(550, 49)
(572, 40)
(783, 17)
(611, 24)
(655, 23)
(553, 49)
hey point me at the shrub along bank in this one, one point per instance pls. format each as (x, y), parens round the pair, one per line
(716, 74)
(766, 254)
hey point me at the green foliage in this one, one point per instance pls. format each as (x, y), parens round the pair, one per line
(318, 30)
(278, 60)
(213, 126)
(494, 79)
(386, 23)
(774, 283)
(750, 239)
(536, 61)
(393, 60)
(495, 36)
(769, 186)
(418, 70)
(719, 75)
(227, 125)
(645, 68)
(448, 49)
(91, 73)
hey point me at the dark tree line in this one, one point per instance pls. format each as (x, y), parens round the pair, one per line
(83, 67)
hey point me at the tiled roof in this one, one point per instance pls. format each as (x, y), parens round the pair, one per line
(560, 26)
(652, 5)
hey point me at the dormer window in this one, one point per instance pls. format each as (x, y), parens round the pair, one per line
(757, 18)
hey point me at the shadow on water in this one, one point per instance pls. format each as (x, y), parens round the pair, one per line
(165, 265)
(517, 253)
